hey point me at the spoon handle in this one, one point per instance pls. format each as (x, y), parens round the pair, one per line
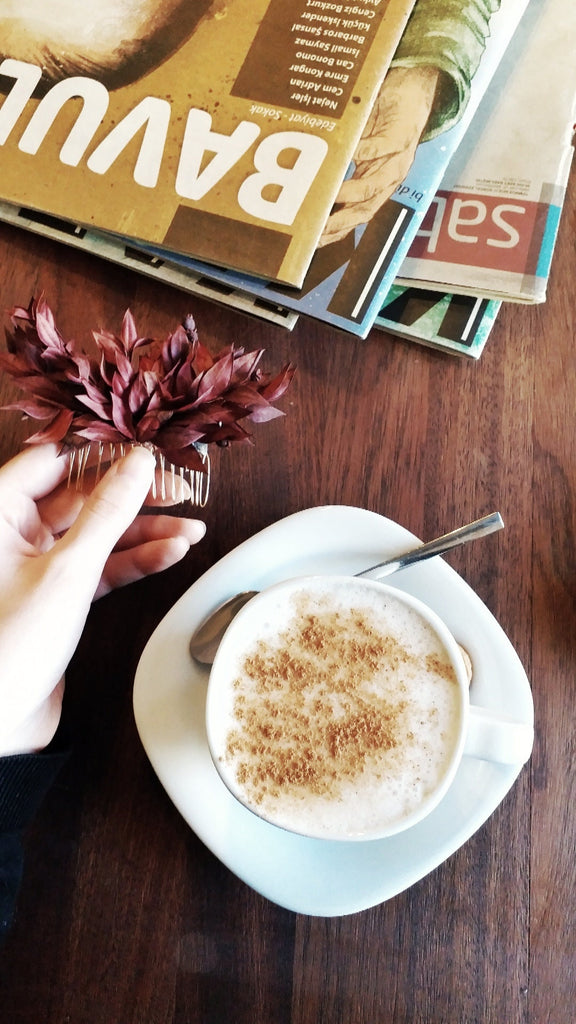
(479, 528)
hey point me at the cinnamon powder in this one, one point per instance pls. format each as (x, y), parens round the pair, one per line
(321, 704)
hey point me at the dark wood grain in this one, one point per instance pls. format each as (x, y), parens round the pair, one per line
(125, 917)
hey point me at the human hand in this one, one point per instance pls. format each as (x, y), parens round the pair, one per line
(59, 549)
(386, 150)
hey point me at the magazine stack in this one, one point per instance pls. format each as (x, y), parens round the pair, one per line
(366, 163)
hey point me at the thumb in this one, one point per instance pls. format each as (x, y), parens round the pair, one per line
(110, 509)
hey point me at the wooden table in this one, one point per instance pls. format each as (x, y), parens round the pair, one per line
(125, 917)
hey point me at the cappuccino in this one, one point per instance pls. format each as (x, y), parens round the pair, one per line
(342, 709)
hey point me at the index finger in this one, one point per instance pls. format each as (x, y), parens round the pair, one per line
(111, 507)
(60, 508)
(35, 471)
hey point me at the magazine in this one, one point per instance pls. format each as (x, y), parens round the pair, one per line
(454, 323)
(492, 228)
(219, 128)
(458, 324)
(347, 282)
(134, 259)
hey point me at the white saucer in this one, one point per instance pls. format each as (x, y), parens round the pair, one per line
(310, 876)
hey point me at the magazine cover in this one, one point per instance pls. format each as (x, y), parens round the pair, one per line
(458, 324)
(217, 128)
(438, 76)
(492, 228)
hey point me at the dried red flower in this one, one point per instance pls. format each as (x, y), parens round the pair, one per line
(171, 394)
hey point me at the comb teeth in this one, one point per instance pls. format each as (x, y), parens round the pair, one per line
(165, 487)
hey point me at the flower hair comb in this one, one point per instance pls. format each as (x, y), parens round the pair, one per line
(172, 396)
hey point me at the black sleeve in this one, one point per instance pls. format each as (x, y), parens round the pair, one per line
(24, 781)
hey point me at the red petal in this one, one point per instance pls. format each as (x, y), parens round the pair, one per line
(129, 332)
(265, 413)
(122, 416)
(279, 384)
(101, 432)
(55, 431)
(216, 379)
(46, 328)
(36, 410)
(150, 424)
(245, 365)
(201, 358)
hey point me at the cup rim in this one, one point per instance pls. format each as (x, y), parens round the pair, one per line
(213, 706)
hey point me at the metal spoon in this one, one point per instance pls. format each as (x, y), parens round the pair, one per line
(205, 640)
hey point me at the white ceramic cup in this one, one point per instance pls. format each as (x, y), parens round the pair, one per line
(351, 716)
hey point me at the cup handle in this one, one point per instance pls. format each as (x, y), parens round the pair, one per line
(496, 737)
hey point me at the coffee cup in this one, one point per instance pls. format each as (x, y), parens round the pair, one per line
(338, 708)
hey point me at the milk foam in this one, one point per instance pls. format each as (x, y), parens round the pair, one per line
(345, 713)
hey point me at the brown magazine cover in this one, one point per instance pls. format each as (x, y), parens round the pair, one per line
(217, 130)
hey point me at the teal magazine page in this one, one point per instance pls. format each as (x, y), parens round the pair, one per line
(458, 324)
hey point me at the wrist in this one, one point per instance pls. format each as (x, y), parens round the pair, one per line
(37, 730)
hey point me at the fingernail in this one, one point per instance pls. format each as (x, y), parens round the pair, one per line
(201, 528)
(134, 455)
(44, 540)
(178, 488)
(194, 530)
